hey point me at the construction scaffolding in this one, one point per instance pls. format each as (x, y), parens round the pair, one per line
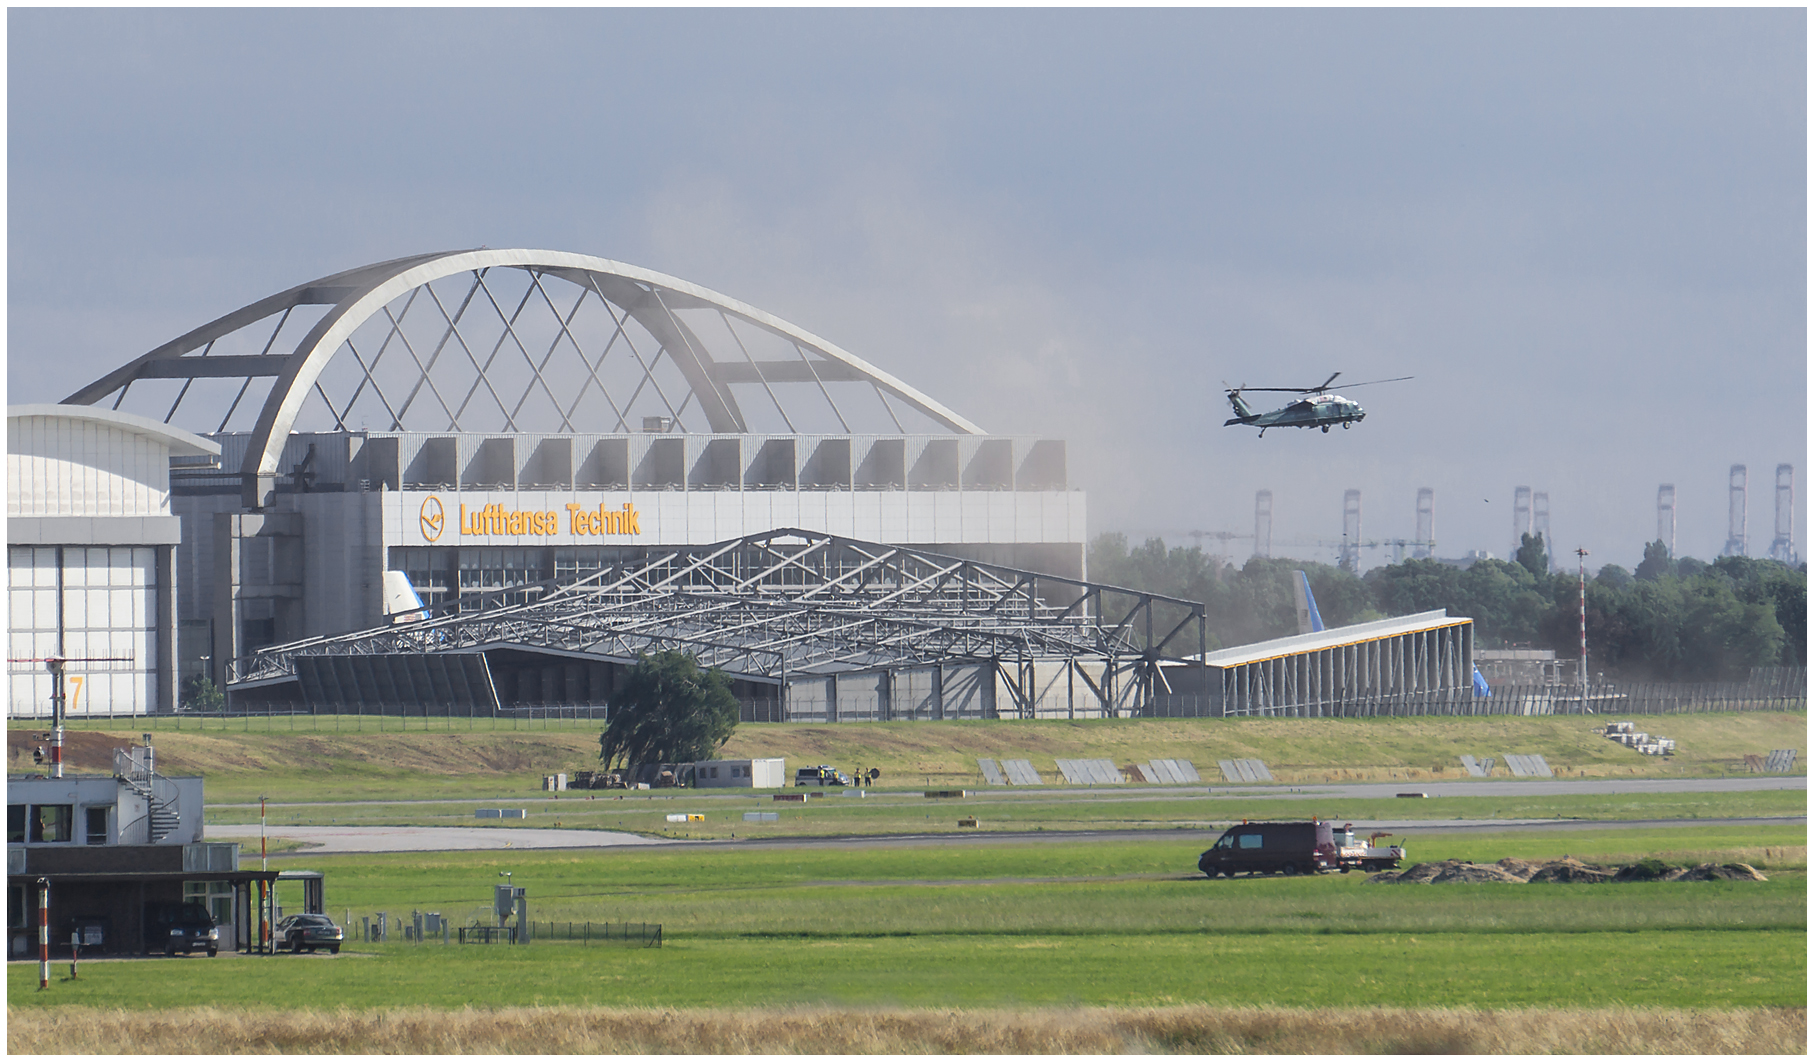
(839, 628)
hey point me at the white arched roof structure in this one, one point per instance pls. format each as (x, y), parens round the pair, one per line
(536, 342)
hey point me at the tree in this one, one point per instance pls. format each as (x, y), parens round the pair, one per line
(1613, 576)
(1656, 563)
(1532, 555)
(201, 695)
(669, 711)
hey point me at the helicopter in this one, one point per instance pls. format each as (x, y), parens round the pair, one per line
(1320, 409)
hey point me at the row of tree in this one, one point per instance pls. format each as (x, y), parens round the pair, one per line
(1669, 619)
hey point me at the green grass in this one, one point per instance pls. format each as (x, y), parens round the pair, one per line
(1078, 888)
(1681, 969)
(998, 922)
(1011, 924)
(354, 758)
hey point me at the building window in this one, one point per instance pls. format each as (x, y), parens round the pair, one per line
(215, 895)
(16, 910)
(52, 823)
(494, 569)
(431, 571)
(96, 817)
(15, 824)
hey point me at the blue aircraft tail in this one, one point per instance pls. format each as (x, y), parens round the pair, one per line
(1481, 688)
(1308, 618)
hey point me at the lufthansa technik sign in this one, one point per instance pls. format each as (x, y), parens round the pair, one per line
(494, 520)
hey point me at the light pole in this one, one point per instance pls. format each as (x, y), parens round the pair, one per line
(1582, 617)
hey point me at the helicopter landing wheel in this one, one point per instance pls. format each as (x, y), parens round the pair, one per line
(1346, 425)
(1326, 429)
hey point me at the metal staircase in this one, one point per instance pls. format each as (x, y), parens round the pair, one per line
(134, 768)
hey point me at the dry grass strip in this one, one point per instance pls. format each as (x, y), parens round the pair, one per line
(817, 1030)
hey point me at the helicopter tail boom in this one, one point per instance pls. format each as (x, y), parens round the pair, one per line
(1243, 415)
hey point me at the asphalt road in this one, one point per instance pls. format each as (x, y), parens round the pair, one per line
(338, 840)
(422, 839)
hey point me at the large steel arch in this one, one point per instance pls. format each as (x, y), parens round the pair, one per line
(356, 296)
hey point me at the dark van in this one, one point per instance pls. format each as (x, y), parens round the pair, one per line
(185, 928)
(1263, 848)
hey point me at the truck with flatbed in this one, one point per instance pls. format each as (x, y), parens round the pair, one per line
(1353, 853)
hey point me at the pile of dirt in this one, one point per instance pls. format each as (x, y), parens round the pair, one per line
(1568, 869)
(1514, 866)
(1447, 871)
(1720, 872)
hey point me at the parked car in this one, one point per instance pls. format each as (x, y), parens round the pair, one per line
(306, 932)
(176, 928)
(821, 775)
(1263, 848)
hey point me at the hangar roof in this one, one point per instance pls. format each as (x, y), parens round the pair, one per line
(509, 340)
(181, 443)
(1331, 638)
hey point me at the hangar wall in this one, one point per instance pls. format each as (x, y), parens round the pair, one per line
(91, 557)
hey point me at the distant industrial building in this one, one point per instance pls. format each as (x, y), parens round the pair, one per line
(588, 451)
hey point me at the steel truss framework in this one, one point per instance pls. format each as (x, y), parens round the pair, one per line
(497, 340)
(790, 604)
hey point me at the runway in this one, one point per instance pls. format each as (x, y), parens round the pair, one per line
(335, 840)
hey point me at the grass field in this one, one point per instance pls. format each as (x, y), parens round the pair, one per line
(996, 944)
(376, 758)
(1121, 924)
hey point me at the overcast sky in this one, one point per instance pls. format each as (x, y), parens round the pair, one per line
(1583, 232)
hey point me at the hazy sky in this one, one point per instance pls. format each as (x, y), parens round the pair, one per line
(1582, 231)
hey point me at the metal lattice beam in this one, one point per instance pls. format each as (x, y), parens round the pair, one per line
(784, 603)
(478, 323)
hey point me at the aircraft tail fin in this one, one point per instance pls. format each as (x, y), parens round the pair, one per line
(401, 602)
(1309, 619)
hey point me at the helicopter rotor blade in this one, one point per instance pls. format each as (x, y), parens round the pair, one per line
(1365, 383)
(1326, 383)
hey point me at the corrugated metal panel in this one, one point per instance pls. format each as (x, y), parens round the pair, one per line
(991, 774)
(434, 684)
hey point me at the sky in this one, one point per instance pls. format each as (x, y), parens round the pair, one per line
(1582, 233)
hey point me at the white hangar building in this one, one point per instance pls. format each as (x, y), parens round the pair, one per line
(507, 425)
(91, 556)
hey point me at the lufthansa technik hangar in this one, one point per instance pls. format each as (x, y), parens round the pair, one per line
(612, 460)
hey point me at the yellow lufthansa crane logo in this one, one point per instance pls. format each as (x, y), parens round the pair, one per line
(433, 518)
